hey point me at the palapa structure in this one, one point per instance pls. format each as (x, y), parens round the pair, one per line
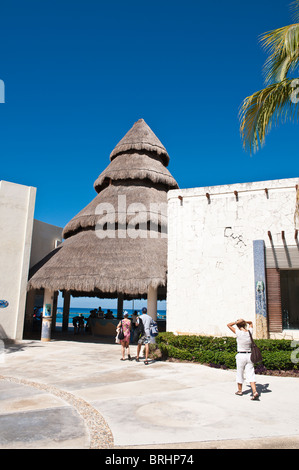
(117, 245)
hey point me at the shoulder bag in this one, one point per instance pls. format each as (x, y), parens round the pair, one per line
(256, 355)
(121, 332)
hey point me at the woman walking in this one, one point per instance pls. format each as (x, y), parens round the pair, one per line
(125, 343)
(243, 360)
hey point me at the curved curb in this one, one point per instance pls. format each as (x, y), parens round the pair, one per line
(100, 434)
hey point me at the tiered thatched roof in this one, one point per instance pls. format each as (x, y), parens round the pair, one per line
(88, 264)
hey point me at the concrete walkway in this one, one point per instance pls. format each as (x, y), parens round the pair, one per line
(78, 394)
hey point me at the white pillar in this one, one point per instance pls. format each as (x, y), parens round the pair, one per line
(47, 315)
(152, 298)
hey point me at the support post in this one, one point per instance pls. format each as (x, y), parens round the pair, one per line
(47, 315)
(30, 300)
(120, 306)
(66, 311)
(152, 298)
(54, 310)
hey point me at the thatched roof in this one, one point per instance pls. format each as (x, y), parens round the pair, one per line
(141, 137)
(153, 199)
(102, 267)
(88, 264)
(141, 165)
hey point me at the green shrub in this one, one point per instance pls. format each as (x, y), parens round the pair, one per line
(274, 344)
(281, 360)
(221, 352)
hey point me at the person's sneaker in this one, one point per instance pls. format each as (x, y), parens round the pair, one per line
(137, 359)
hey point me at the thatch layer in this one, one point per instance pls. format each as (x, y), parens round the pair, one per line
(150, 204)
(85, 263)
(132, 199)
(141, 137)
(136, 165)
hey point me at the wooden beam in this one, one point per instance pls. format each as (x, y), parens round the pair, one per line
(120, 306)
(270, 235)
(66, 311)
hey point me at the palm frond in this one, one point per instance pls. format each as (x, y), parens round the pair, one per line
(264, 108)
(294, 7)
(283, 46)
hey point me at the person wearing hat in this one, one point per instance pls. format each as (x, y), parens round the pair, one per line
(125, 343)
(146, 337)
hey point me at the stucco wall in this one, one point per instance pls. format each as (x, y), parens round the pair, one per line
(210, 250)
(16, 214)
(45, 238)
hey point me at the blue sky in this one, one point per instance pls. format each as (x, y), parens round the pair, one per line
(78, 74)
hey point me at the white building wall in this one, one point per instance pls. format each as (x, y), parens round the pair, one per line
(210, 250)
(16, 214)
(45, 237)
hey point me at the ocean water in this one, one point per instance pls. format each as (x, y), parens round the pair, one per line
(74, 312)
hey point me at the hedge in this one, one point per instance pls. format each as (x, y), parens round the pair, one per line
(221, 352)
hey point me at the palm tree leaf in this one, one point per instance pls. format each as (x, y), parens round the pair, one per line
(283, 46)
(292, 41)
(264, 108)
(294, 7)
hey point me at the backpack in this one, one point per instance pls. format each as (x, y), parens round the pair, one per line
(139, 331)
(154, 328)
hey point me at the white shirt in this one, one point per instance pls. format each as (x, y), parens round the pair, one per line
(147, 320)
(243, 340)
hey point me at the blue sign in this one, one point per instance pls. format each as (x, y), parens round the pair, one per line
(47, 312)
(4, 304)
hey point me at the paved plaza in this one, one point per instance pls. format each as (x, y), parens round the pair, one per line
(76, 393)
